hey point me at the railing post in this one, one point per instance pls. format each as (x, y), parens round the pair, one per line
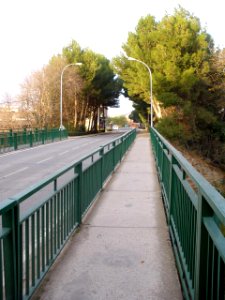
(101, 153)
(2, 141)
(170, 181)
(79, 171)
(10, 219)
(43, 136)
(31, 138)
(36, 135)
(52, 135)
(24, 136)
(15, 144)
(162, 162)
(201, 253)
(114, 159)
(10, 138)
(121, 149)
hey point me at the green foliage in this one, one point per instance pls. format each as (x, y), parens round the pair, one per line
(187, 80)
(101, 85)
(170, 128)
(87, 89)
(169, 99)
(135, 116)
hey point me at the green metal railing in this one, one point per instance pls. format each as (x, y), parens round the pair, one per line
(196, 218)
(14, 140)
(35, 227)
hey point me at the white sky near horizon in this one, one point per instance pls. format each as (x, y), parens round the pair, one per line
(32, 31)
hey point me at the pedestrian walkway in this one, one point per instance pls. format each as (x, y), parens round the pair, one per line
(122, 250)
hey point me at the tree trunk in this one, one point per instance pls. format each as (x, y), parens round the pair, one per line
(157, 109)
(75, 111)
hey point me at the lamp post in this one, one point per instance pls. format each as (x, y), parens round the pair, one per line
(61, 127)
(150, 77)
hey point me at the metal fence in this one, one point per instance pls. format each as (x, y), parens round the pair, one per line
(14, 140)
(33, 235)
(196, 218)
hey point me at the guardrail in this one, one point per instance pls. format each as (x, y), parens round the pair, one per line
(35, 227)
(196, 218)
(14, 140)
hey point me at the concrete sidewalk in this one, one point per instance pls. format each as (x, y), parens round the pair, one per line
(122, 251)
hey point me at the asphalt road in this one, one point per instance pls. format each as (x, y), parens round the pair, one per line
(20, 169)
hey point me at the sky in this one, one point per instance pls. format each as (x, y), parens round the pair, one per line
(32, 31)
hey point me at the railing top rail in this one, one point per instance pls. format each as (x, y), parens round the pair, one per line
(20, 197)
(213, 197)
(6, 205)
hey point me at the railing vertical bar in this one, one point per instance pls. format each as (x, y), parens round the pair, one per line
(68, 211)
(194, 243)
(43, 237)
(183, 218)
(38, 243)
(80, 193)
(33, 248)
(191, 240)
(47, 232)
(114, 159)
(209, 267)
(62, 217)
(1, 271)
(218, 278)
(72, 202)
(55, 229)
(75, 201)
(188, 215)
(27, 255)
(64, 214)
(175, 203)
(51, 229)
(213, 272)
(70, 206)
(58, 220)
(23, 261)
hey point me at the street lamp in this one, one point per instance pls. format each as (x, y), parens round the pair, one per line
(61, 127)
(150, 76)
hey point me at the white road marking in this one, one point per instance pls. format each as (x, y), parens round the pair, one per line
(62, 153)
(44, 160)
(86, 144)
(15, 172)
(2, 155)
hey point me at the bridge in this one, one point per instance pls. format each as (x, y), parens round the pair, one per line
(117, 231)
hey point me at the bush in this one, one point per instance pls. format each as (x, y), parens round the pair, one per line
(170, 128)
